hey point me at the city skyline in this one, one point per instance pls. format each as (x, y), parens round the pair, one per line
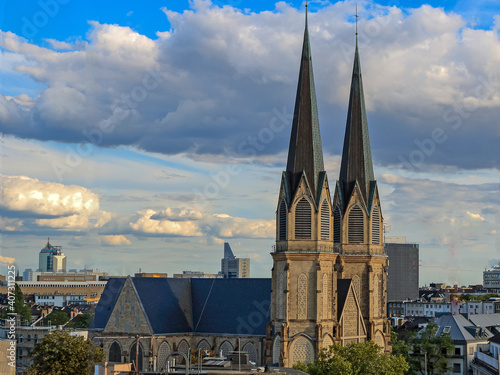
(190, 124)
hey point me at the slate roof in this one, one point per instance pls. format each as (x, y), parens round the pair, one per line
(305, 152)
(343, 286)
(220, 306)
(107, 302)
(356, 162)
(461, 329)
(485, 320)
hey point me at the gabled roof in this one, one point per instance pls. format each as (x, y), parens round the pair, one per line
(356, 162)
(166, 303)
(461, 329)
(231, 306)
(343, 286)
(107, 302)
(485, 320)
(172, 306)
(305, 153)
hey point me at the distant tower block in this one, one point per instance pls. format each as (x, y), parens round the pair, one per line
(232, 267)
(51, 259)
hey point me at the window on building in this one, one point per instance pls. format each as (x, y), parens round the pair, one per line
(303, 219)
(376, 226)
(337, 225)
(458, 351)
(282, 220)
(356, 225)
(446, 329)
(457, 368)
(325, 220)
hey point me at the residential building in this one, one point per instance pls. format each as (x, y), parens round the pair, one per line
(196, 274)
(71, 275)
(150, 274)
(232, 267)
(402, 269)
(491, 279)
(60, 300)
(468, 339)
(91, 289)
(427, 309)
(481, 307)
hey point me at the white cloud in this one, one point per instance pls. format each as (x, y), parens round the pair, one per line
(227, 226)
(7, 260)
(224, 69)
(21, 193)
(114, 240)
(145, 224)
(177, 214)
(475, 216)
(65, 223)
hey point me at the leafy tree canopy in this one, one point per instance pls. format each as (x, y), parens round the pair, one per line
(56, 318)
(355, 359)
(427, 347)
(62, 354)
(81, 321)
(20, 307)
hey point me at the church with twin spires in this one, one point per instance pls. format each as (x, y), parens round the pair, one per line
(328, 282)
(328, 275)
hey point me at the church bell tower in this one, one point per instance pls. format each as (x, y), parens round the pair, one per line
(303, 313)
(357, 216)
(328, 276)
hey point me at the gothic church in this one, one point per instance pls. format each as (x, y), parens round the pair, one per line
(328, 276)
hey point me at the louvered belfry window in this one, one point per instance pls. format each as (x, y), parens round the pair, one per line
(376, 226)
(325, 221)
(303, 219)
(356, 225)
(282, 220)
(337, 225)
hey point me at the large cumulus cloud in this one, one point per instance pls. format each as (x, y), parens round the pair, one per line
(214, 79)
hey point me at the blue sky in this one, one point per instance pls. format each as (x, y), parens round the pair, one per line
(154, 132)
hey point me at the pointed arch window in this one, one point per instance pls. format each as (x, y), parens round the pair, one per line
(302, 297)
(337, 225)
(356, 230)
(282, 220)
(325, 220)
(303, 219)
(376, 226)
(115, 352)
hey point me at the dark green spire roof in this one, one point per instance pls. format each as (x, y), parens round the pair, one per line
(356, 155)
(305, 152)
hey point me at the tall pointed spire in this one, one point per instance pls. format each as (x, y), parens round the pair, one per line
(356, 156)
(305, 152)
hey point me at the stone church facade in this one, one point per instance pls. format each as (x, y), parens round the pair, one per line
(328, 276)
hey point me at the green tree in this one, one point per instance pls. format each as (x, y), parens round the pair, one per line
(62, 354)
(355, 359)
(401, 348)
(427, 347)
(20, 307)
(56, 318)
(81, 321)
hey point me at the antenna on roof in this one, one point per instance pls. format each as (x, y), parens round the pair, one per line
(356, 15)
